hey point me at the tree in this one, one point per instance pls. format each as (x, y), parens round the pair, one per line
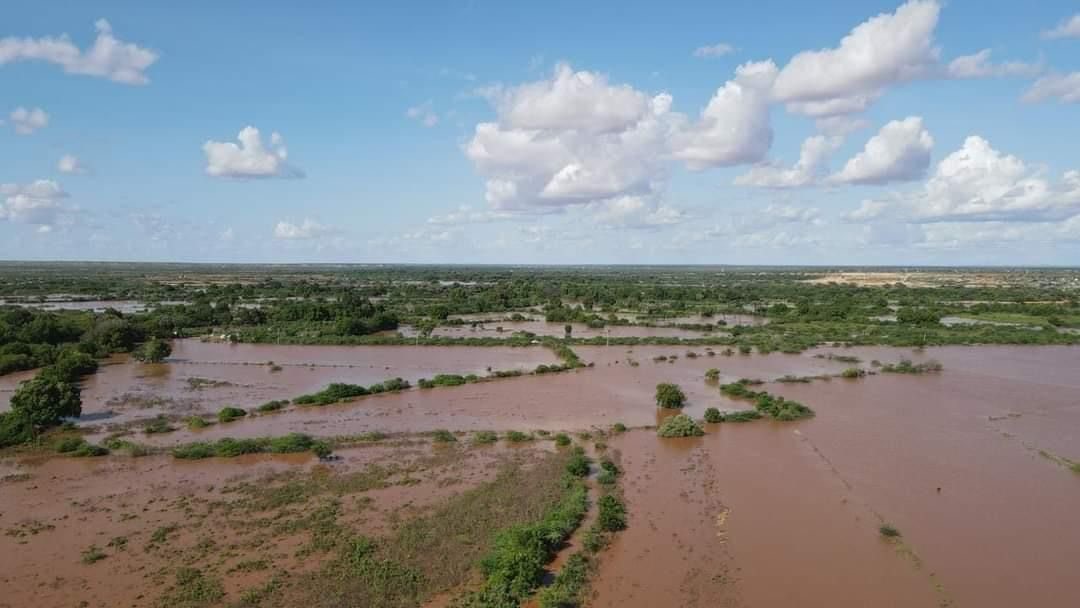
(153, 351)
(45, 400)
(670, 396)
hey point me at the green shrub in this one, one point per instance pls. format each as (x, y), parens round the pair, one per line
(93, 555)
(713, 415)
(518, 436)
(484, 437)
(272, 406)
(68, 444)
(852, 372)
(888, 531)
(159, 424)
(194, 451)
(291, 444)
(619, 427)
(578, 465)
(196, 422)
(712, 375)
(742, 416)
(230, 413)
(680, 426)
(89, 450)
(670, 396)
(562, 440)
(611, 515)
(443, 436)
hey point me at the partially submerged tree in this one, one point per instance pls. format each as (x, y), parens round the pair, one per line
(45, 400)
(153, 351)
(669, 396)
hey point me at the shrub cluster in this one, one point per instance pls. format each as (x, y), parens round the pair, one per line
(777, 408)
(680, 426)
(230, 447)
(340, 391)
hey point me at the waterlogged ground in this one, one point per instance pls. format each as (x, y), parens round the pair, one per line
(970, 465)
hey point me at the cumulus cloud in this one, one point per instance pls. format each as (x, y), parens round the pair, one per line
(714, 50)
(581, 100)
(249, 159)
(1067, 28)
(108, 57)
(71, 164)
(26, 121)
(308, 229)
(840, 126)
(813, 158)
(979, 65)
(1063, 87)
(37, 203)
(568, 140)
(734, 127)
(635, 212)
(424, 114)
(978, 184)
(899, 152)
(887, 49)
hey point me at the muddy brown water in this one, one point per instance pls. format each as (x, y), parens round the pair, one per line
(768, 514)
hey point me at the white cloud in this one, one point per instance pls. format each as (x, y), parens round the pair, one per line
(714, 50)
(734, 128)
(582, 101)
(250, 159)
(36, 203)
(888, 49)
(72, 165)
(424, 114)
(570, 140)
(1067, 28)
(227, 235)
(1064, 87)
(466, 215)
(899, 152)
(840, 126)
(980, 66)
(977, 184)
(813, 158)
(26, 121)
(867, 210)
(635, 212)
(308, 229)
(109, 57)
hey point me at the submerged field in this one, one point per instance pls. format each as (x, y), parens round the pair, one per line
(386, 437)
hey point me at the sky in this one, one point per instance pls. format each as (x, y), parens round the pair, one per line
(765, 132)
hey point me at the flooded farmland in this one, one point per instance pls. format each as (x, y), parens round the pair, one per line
(969, 464)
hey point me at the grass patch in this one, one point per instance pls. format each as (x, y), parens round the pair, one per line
(192, 589)
(443, 436)
(92, 555)
(229, 447)
(230, 413)
(888, 531)
(905, 366)
(484, 437)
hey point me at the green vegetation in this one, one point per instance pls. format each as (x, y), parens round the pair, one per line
(517, 436)
(680, 425)
(484, 437)
(37, 405)
(905, 366)
(562, 440)
(853, 372)
(230, 413)
(888, 531)
(196, 422)
(272, 406)
(339, 391)
(713, 415)
(612, 513)
(670, 396)
(152, 351)
(93, 554)
(158, 424)
(712, 375)
(618, 427)
(443, 436)
(192, 589)
(775, 407)
(229, 447)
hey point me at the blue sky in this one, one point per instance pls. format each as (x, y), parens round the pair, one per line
(930, 132)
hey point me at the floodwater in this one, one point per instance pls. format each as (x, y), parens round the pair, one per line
(969, 464)
(503, 329)
(206, 376)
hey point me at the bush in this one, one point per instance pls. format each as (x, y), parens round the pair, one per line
(159, 424)
(680, 426)
(619, 427)
(742, 416)
(712, 375)
(713, 415)
(611, 516)
(484, 437)
(194, 451)
(14, 429)
(670, 396)
(562, 440)
(443, 436)
(68, 444)
(852, 372)
(578, 466)
(230, 413)
(153, 351)
(44, 401)
(291, 444)
(272, 406)
(518, 437)
(888, 531)
(196, 422)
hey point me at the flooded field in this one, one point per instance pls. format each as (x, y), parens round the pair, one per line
(206, 376)
(970, 465)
